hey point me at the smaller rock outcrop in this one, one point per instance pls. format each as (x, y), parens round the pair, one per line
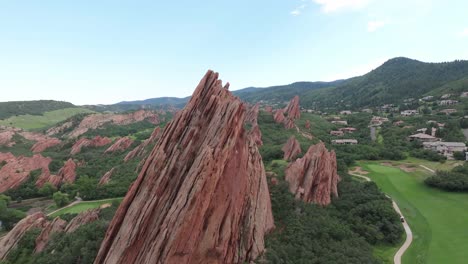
(307, 124)
(82, 218)
(120, 145)
(17, 169)
(291, 149)
(252, 114)
(9, 242)
(279, 116)
(140, 150)
(289, 123)
(292, 109)
(66, 174)
(268, 109)
(6, 138)
(106, 177)
(314, 178)
(84, 142)
(40, 146)
(57, 225)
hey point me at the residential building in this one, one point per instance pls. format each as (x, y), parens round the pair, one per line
(409, 112)
(447, 102)
(348, 129)
(445, 96)
(344, 142)
(345, 112)
(398, 123)
(448, 111)
(340, 122)
(464, 94)
(336, 133)
(445, 148)
(427, 98)
(421, 137)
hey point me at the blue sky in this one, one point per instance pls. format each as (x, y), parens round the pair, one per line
(90, 52)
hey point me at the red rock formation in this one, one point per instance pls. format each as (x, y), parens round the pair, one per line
(45, 144)
(6, 138)
(252, 114)
(95, 121)
(17, 169)
(120, 145)
(289, 123)
(82, 218)
(256, 135)
(57, 225)
(307, 124)
(313, 178)
(68, 172)
(292, 109)
(106, 178)
(279, 116)
(140, 150)
(84, 142)
(202, 195)
(269, 109)
(9, 242)
(59, 129)
(291, 149)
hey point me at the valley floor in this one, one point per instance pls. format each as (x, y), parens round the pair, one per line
(437, 218)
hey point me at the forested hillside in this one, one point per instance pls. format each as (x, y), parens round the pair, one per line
(8, 109)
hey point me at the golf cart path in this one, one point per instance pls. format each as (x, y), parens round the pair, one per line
(409, 234)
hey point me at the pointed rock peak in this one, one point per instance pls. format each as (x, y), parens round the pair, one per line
(279, 116)
(202, 195)
(307, 124)
(291, 149)
(292, 109)
(314, 178)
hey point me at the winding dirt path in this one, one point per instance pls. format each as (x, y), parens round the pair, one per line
(409, 234)
(426, 168)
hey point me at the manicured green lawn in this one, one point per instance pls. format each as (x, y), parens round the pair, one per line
(42, 121)
(438, 219)
(77, 208)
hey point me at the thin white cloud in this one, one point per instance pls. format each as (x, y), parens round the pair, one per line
(329, 6)
(298, 10)
(375, 25)
(463, 33)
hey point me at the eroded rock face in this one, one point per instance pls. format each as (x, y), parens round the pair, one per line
(291, 149)
(252, 114)
(202, 195)
(120, 145)
(95, 121)
(140, 150)
(269, 109)
(6, 138)
(40, 146)
(66, 174)
(84, 142)
(307, 124)
(292, 109)
(289, 123)
(9, 242)
(106, 177)
(17, 169)
(313, 178)
(57, 225)
(82, 218)
(279, 116)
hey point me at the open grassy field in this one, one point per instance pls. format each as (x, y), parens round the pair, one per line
(438, 219)
(80, 207)
(31, 122)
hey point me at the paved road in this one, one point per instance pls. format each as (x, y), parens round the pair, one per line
(409, 234)
(426, 168)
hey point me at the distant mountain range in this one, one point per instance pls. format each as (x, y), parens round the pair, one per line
(392, 82)
(397, 79)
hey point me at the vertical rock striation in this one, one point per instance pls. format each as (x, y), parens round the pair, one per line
(313, 178)
(291, 149)
(202, 195)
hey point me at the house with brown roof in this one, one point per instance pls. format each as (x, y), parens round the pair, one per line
(422, 137)
(344, 142)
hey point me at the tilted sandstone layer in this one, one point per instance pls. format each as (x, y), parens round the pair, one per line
(307, 124)
(202, 195)
(120, 145)
(40, 146)
(95, 121)
(66, 174)
(16, 169)
(291, 149)
(82, 218)
(252, 114)
(140, 150)
(252, 119)
(57, 225)
(313, 178)
(292, 109)
(97, 141)
(106, 177)
(279, 116)
(6, 138)
(9, 242)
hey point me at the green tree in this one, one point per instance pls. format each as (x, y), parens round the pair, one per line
(61, 199)
(47, 190)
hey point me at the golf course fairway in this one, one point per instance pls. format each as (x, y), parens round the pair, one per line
(438, 219)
